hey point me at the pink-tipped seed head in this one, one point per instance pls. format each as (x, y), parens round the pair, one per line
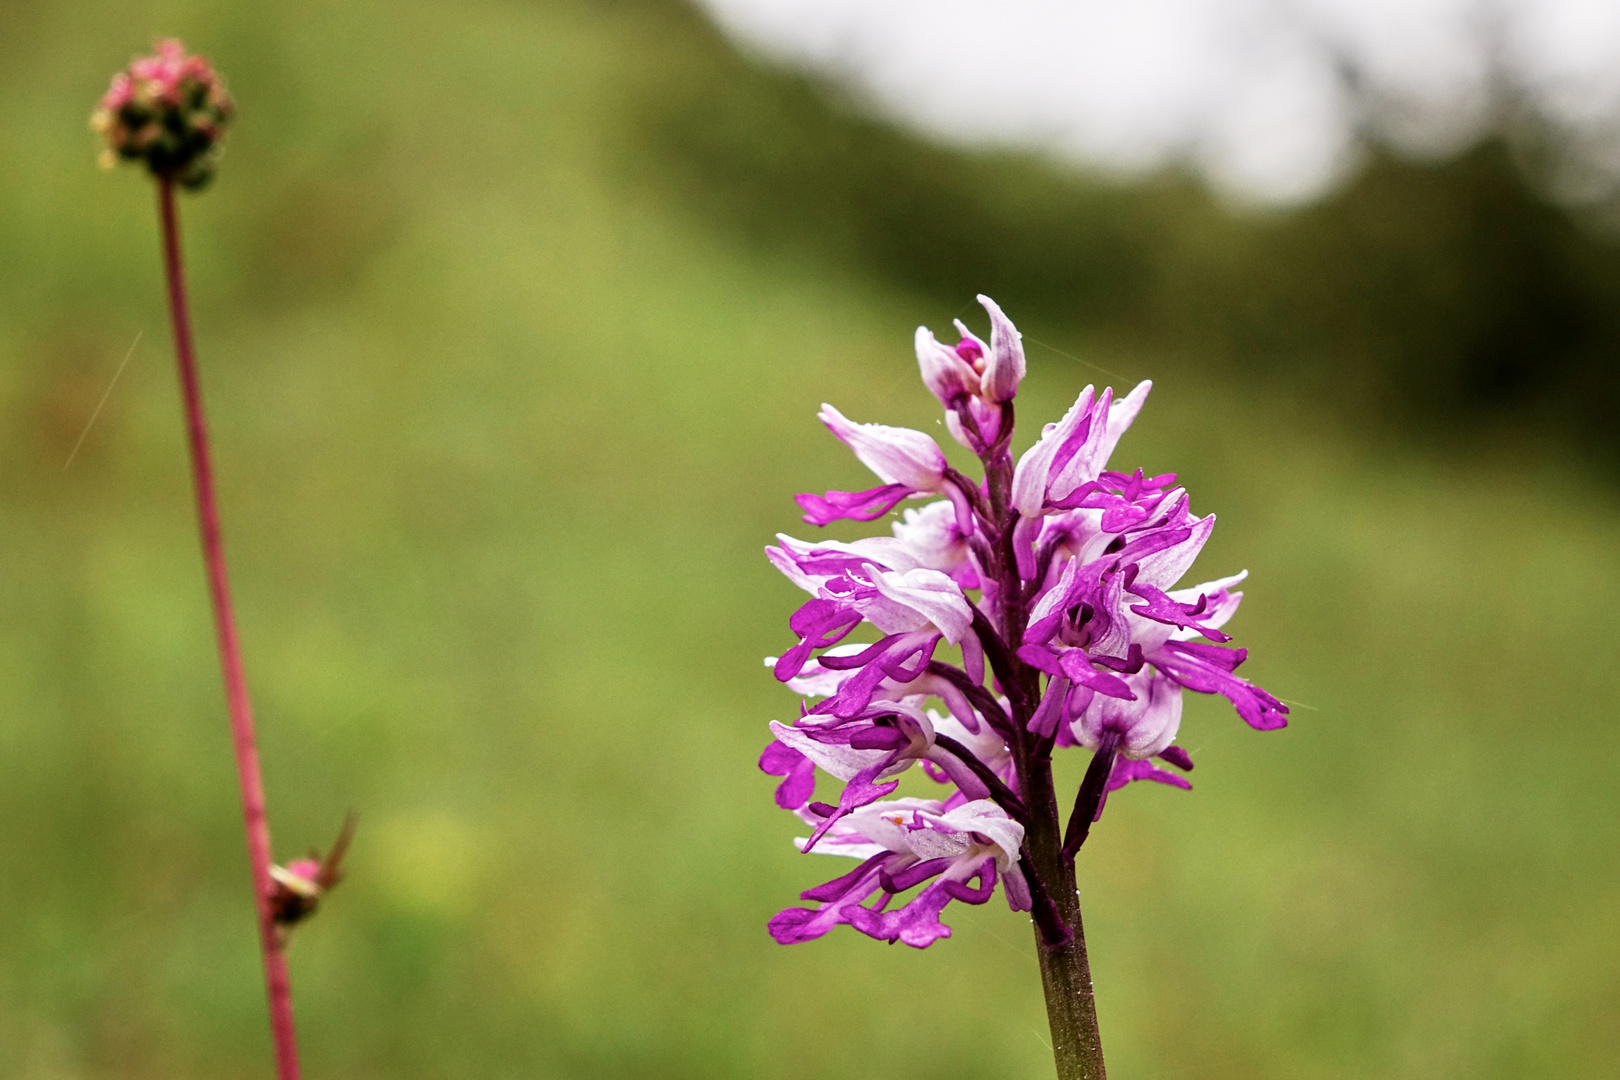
(167, 111)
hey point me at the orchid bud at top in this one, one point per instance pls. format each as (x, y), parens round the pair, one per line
(169, 111)
(950, 375)
(1004, 367)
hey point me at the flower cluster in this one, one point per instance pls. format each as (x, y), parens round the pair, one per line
(168, 110)
(1055, 583)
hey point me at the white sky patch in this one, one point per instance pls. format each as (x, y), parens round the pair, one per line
(1250, 91)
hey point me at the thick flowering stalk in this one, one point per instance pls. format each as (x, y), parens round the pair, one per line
(1056, 581)
(168, 112)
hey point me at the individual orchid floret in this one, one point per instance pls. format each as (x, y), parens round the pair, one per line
(863, 752)
(1142, 726)
(896, 455)
(168, 111)
(879, 743)
(974, 379)
(812, 565)
(973, 368)
(1004, 366)
(1058, 471)
(914, 609)
(908, 462)
(1103, 621)
(902, 844)
(933, 537)
(1079, 629)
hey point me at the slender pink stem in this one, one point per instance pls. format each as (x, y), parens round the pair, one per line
(277, 984)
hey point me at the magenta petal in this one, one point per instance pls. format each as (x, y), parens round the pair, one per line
(1044, 722)
(959, 890)
(1078, 435)
(1126, 770)
(878, 738)
(1151, 542)
(855, 693)
(819, 623)
(959, 773)
(1178, 757)
(1023, 541)
(798, 771)
(917, 923)
(1208, 669)
(912, 876)
(795, 925)
(894, 662)
(860, 659)
(790, 663)
(840, 887)
(854, 505)
(885, 659)
(1077, 666)
(973, 660)
(859, 792)
(1039, 656)
(1129, 664)
(1161, 608)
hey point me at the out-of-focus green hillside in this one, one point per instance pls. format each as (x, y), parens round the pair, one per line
(509, 388)
(1451, 293)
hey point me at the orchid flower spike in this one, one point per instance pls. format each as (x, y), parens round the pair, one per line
(1043, 611)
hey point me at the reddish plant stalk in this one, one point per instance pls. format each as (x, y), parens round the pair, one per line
(278, 986)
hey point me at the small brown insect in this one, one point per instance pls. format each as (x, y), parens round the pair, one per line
(300, 884)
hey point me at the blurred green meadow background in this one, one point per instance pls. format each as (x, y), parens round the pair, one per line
(514, 320)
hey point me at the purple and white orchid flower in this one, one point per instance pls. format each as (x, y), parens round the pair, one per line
(909, 463)
(1041, 609)
(902, 844)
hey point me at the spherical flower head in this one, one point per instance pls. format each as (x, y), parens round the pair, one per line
(167, 110)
